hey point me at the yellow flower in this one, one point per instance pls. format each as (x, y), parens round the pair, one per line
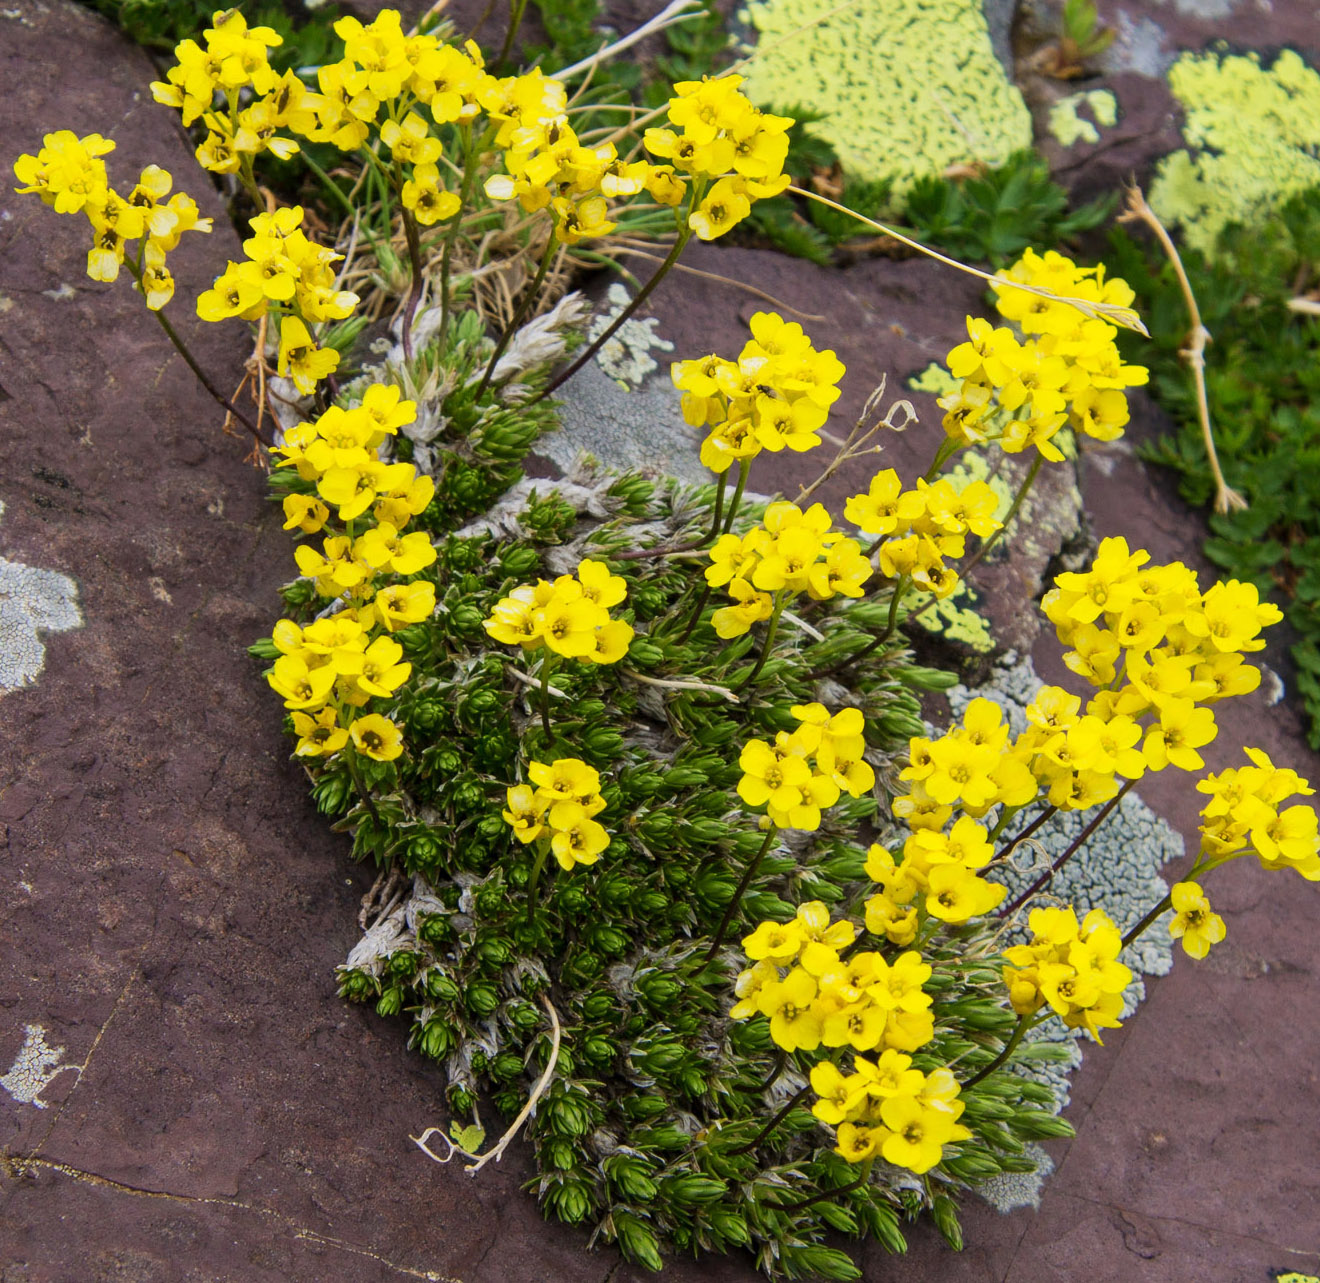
(917, 1134)
(576, 838)
(299, 357)
(376, 737)
(318, 736)
(400, 604)
(794, 1026)
(300, 686)
(1193, 922)
(723, 207)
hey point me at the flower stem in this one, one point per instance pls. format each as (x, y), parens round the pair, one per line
(744, 468)
(829, 1193)
(355, 773)
(546, 666)
(413, 238)
(765, 1131)
(520, 312)
(639, 298)
(1076, 845)
(1007, 849)
(182, 348)
(533, 882)
(515, 21)
(748, 874)
(767, 645)
(470, 152)
(1149, 920)
(1025, 1022)
(900, 591)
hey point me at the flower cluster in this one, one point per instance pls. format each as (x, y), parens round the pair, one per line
(790, 552)
(1072, 967)
(557, 813)
(68, 174)
(731, 152)
(214, 82)
(569, 617)
(1243, 814)
(890, 1109)
(940, 872)
(777, 393)
(549, 168)
(328, 671)
(782, 777)
(917, 529)
(291, 278)
(812, 998)
(1065, 370)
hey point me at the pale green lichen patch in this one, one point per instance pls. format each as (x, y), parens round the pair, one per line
(934, 379)
(1253, 137)
(905, 88)
(1068, 125)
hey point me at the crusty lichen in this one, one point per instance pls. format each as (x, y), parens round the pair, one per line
(905, 88)
(1069, 127)
(1253, 137)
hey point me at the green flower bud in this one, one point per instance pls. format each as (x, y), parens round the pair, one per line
(437, 1039)
(599, 1051)
(640, 1107)
(569, 1115)
(519, 561)
(730, 1226)
(645, 654)
(598, 1006)
(390, 1002)
(356, 985)
(461, 1099)
(481, 998)
(525, 1016)
(945, 1213)
(636, 1241)
(424, 851)
(332, 793)
(402, 964)
(694, 1189)
(559, 1155)
(505, 1067)
(632, 1177)
(570, 1201)
(440, 987)
(465, 621)
(659, 988)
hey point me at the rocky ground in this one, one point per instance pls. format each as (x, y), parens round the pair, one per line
(185, 1097)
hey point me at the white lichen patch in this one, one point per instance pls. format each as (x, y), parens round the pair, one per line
(35, 1067)
(32, 602)
(1011, 1190)
(626, 356)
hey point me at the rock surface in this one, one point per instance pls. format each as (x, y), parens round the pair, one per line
(174, 909)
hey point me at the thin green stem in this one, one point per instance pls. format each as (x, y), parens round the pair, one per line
(765, 1131)
(1149, 920)
(720, 484)
(781, 600)
(471, 149)
(828, 1193)
(638, 299)
(543, 848)
(947, 447)
(355, 773)
(1040, 883)
(696, 613)
(329, 183)
(1024, 1024)
(900, 591)
(519, 7)
(546, 666)
(182, 348)
(744, 470)
(520, 312)
(748, 874)
(413, 238)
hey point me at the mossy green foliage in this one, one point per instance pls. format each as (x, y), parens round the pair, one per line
(903, 89)
(994, 217)
(647, 1132)
(1263, 383)
(1253, 135)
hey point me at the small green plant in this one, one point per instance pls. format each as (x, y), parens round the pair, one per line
(995, 216)
(1083, 37)
(1263, 387)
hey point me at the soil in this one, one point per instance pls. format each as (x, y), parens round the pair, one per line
(175, 909)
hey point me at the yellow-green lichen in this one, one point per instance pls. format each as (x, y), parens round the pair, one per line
(961, 623)
(905, 88)
(1253, 137)
(934, 379)
(1069, 127)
